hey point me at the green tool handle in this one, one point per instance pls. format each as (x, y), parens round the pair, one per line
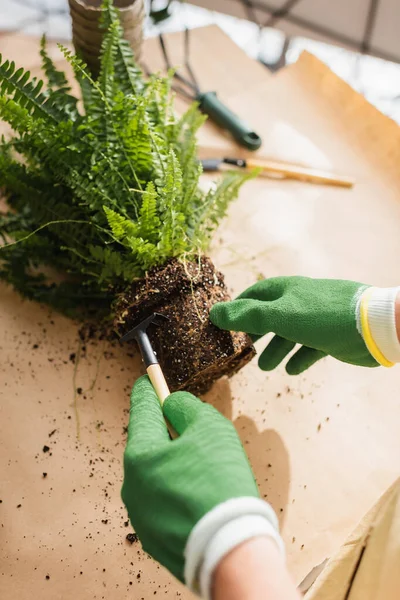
(217, 111)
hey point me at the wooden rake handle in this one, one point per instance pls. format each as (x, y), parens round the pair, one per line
(157, 379)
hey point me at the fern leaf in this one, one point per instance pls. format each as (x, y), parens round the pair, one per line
(16, 116)
(80, 67)
(120, 226)
(56, 78)
(58, 86)
(86, 91)
(149, 222)
(128, 74)
(137, 141)
(172, 233)
(107, 60)
(27, 93)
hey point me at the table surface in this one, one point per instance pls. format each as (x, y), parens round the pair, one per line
(323, 445)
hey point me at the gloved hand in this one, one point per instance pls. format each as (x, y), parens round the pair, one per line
(198, 487)
(320, 314)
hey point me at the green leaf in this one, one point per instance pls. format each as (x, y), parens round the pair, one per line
(26, 92)
(56, 78)
(120, 226)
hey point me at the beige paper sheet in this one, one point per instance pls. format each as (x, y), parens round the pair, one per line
(323, 446)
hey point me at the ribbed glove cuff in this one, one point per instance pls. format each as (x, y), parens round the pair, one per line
(379, 323)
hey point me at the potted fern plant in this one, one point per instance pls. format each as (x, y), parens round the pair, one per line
(105, 219)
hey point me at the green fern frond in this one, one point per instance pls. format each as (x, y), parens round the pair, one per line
(120, 226)
(172, 231)
(149, 222)
(79, 66)
(129, 75)
(15, 115)
(56, 79)
(137, 141)
(26, 92)
(107, 62)
(58, 86)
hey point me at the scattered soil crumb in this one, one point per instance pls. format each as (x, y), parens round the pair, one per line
(52, 432)
(19, 505)
(46, 448)
(72, 357)
(126, 523)
(132, 538)
(44, 475)
(319, 427)
(47, 577)
(79, 390)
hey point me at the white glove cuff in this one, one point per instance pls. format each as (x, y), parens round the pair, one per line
(220, 531)
(229, 537)
(382, 321)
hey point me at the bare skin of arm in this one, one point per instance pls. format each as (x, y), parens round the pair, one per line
(397, 315)
(255, 570)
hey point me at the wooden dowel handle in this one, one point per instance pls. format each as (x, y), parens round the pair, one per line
(301, 173)
(157, 379)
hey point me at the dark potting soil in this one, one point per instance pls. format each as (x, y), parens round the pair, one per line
(193, 353)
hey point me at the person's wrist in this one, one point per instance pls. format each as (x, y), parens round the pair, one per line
(397, 315)
(254, 570)
(229, 537)
(223, 528)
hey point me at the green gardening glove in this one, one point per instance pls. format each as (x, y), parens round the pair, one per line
(187, 487)
(319, 314)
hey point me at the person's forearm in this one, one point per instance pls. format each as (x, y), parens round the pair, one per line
(255, 570)
(397, 315)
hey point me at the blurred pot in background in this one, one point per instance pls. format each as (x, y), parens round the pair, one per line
(87, 34)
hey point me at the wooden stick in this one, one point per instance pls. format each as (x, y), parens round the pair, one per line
(299, 173)
(157, 379)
